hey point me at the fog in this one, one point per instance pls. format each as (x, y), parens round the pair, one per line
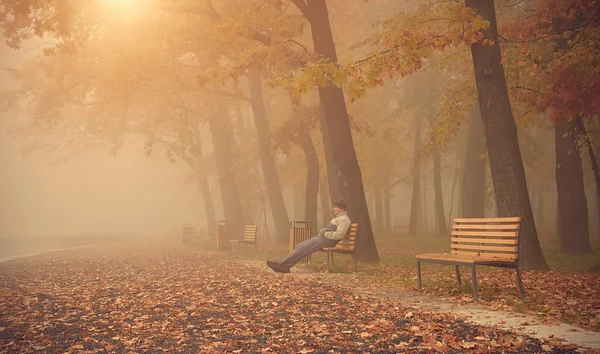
(94, 192)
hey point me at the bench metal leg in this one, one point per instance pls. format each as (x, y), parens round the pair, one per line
(332, 262)
(474, 275)
(419, 274)
(458, 276)
(520, 281)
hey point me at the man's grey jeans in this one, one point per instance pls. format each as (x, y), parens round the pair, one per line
(307, 247)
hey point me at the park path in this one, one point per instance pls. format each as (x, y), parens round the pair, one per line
(159, 296)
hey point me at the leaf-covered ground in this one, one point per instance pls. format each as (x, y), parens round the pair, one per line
(160, 297)
(554, 296)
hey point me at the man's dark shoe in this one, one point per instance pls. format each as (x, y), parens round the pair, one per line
(273, 264)
(282, 270)
(278, 267)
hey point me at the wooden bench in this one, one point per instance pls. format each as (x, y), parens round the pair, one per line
(196, 236)
(490, 242)
(250, 232)
(345, 246)
(399, 226)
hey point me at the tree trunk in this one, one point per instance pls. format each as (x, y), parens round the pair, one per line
(539, 210)
(274, 193)
(330, 164)
(325, 203)
(340, 137)
(298, 196)
(508, 174)
(378, 207)
(440, 214)
(424, 217)
(220, 129)
(580, 126)
(209, 208)
(439, 197)
(312, 181)
(574, 233)
(473, 197)
(387, 201)
(415, 203)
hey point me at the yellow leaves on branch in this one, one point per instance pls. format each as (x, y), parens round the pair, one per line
(406, 41)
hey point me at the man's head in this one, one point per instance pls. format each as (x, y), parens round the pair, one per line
(339, 206)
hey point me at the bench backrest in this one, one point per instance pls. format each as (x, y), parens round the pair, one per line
(494, 238)
(349, 241)
(250, 233)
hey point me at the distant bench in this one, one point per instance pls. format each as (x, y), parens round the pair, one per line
(250, 232)
(490, 242)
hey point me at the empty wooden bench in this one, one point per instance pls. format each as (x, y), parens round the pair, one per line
(490, 242)
(250, 232)
(345, 246)
(196, 236)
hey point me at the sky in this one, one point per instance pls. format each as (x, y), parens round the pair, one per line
(96, 192)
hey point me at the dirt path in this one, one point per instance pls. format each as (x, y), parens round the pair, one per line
(482, 315)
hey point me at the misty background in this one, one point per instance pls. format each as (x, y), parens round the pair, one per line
(95, 192)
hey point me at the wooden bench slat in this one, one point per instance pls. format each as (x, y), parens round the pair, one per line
(445, 256)
(485, 227)
(512, 234)
(484, 240)
(512, 257)
(514, 219)
(483, 248)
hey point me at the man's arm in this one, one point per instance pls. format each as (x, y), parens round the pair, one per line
(340, 232)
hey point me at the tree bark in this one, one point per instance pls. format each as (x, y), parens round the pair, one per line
(539, 210)
(439, 196)
(340, 137)
(508, 174)
(312, 181)
(274, 193)
(442, 227)
(325, 203)
(209, 208)
(572, 202)
(473, 197)
(221, 131)
(332, 179)
(387, 201)
(415, 203)
(580, 127)
(378, 207)
(298, 200)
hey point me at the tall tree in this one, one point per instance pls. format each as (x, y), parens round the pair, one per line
(415, 202)
(440, 215)
(473, 183)
(221, 131)
(338, 130)
(508, 174)
(572, 203)
(272, 184)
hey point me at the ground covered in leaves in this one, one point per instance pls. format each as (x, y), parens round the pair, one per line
(559, 295)
(138, 298)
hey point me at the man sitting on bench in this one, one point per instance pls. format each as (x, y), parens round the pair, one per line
(328, 237)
